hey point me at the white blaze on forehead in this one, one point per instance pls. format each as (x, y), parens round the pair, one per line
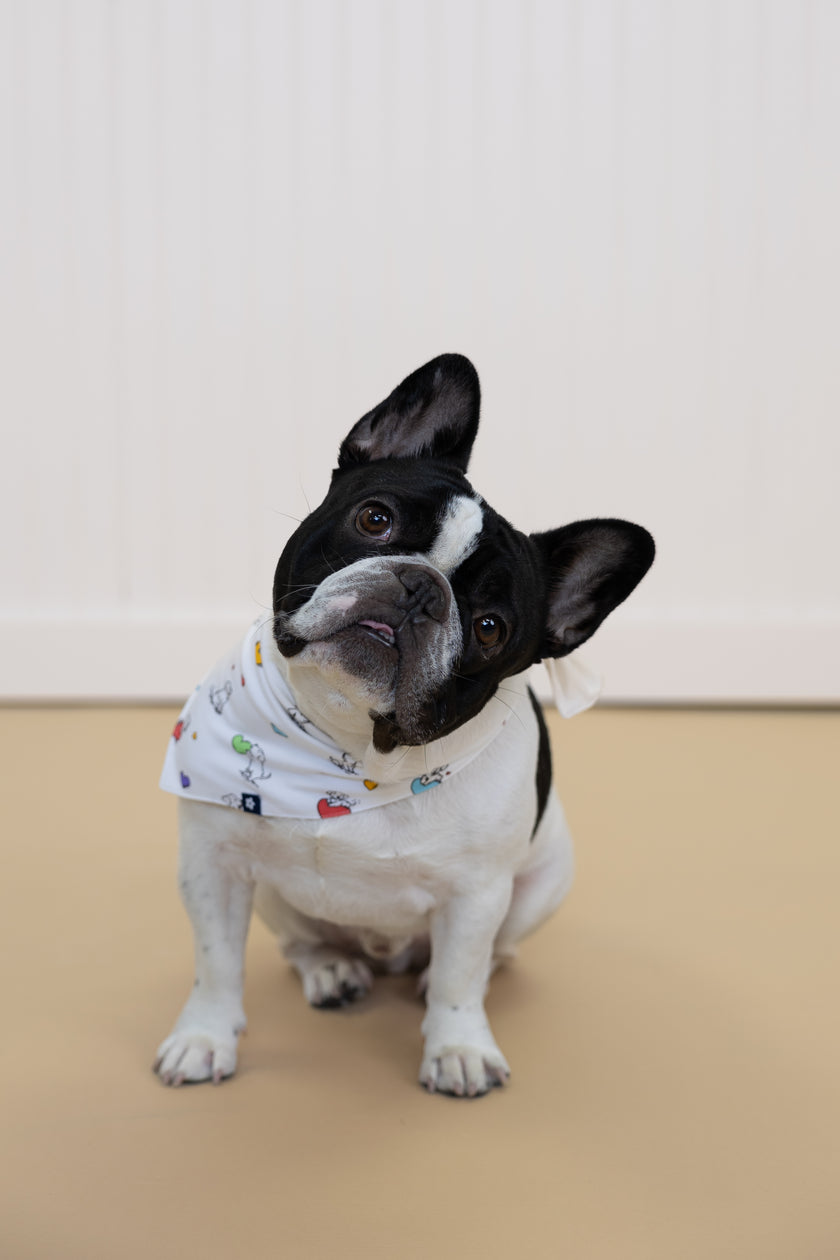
(458, 534)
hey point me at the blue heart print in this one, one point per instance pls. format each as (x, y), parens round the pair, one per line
(185, 780)
(423, 784)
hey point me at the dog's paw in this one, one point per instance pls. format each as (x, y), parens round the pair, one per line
(463, 1071)
(337, 982)
(192, 1055)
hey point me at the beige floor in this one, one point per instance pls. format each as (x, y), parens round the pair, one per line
(674, 1033)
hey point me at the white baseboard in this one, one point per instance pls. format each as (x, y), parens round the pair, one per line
(715, 662)
(110, 659)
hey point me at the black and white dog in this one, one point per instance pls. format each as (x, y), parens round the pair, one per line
(369, 769)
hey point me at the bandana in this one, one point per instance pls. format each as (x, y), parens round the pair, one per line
(575, 685)
(242, 741)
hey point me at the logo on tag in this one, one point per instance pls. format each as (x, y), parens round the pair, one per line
(251, 803)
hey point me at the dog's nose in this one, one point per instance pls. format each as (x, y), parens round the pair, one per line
(426, 596)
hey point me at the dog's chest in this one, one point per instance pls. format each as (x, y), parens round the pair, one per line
(392, 865)
(360, 870)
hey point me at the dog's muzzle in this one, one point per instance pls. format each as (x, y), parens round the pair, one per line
(392, 622)
(386, 595)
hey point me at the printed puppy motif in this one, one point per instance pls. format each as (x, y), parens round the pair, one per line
(219, 696)
(346, 763)
(334, 804)
(425, 781)
(255, 769)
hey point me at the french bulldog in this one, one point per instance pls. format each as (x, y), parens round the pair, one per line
(369, 769)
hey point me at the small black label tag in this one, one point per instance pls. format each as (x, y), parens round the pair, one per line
(251, 803)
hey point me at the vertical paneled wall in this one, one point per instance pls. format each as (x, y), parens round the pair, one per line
(231, 226)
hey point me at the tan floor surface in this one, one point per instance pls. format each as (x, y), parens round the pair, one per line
(674, 1032)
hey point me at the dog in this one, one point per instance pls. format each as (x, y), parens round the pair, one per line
(377, 782)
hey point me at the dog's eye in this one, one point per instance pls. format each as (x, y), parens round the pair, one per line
(375, 521)
(489, 631)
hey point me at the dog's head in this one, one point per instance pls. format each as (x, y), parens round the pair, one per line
(409, 591)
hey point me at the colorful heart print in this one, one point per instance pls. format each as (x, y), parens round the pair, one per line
(185, 780)
(423, 783)
(241, 744)
(369, 784)
(326, 810)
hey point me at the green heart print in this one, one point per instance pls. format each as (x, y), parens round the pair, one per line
(241, 744)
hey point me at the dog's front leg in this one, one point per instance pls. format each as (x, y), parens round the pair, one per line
(218, 899)
(460, 1055)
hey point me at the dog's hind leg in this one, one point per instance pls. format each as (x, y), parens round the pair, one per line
(330, 977)
(540, 886)
(320, 953)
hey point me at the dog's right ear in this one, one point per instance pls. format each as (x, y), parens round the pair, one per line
(432, 414)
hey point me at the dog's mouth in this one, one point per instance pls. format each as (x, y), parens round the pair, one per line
(365, 630)
(380, 631)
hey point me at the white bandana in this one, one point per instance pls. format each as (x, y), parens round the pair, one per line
(575, 685)
(242, 741)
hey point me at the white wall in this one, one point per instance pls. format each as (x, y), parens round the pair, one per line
(229, 228)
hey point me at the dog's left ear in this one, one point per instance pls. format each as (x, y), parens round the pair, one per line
(591, 567)
(433, 413)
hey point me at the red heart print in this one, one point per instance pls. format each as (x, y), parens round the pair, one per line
(331, 811)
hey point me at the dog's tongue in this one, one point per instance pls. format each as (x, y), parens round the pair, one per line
(380, 626)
